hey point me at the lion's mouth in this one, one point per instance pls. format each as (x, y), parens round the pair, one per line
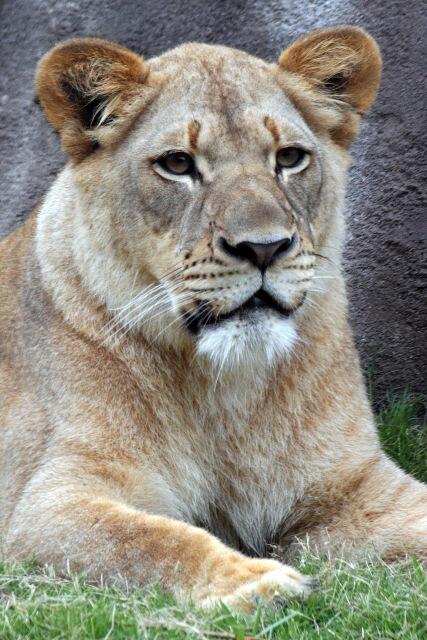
(262, 300)
(197, 320)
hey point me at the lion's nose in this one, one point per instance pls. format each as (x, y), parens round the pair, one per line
(261, 254)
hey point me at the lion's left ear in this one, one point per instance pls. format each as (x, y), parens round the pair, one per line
(343, 64)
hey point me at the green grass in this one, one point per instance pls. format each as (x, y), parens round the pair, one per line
(364, 600)
(372, 601)
(404, 435)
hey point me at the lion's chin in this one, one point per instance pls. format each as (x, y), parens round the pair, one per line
(260, 340)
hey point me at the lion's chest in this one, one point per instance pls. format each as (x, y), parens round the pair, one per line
(236, 485)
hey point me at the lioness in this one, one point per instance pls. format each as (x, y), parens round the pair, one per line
(180, 388)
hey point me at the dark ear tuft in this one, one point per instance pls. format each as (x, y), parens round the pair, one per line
(89, 109)
(335, 84)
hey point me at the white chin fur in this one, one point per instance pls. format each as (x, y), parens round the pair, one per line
(254, 342)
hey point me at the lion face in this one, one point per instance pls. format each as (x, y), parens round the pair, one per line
(234, 178)
(214, 184)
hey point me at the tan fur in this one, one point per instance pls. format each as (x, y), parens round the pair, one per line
(340, 62)
(138, 451)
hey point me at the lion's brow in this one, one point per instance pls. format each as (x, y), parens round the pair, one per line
(193, 133)
(271, 124)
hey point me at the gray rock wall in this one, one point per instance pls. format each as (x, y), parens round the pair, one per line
(386, 214)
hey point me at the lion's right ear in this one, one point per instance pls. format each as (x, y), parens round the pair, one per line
(89, 89)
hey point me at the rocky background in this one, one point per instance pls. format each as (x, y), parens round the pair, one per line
(385, 208)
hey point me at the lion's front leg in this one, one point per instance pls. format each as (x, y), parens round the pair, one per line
(75, 521)
(377, 509)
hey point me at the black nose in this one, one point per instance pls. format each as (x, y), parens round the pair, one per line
(261, 254)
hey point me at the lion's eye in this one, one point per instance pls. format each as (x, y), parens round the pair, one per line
(178, 163)
(290, 157)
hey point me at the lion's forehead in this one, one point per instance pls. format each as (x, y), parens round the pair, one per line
(198, 60)
(226, 90)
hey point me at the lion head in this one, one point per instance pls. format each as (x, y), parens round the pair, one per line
(205, 186)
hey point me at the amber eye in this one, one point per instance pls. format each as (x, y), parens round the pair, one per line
(289, 157)
(177, 162)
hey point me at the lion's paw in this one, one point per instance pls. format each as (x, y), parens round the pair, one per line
(264, 581)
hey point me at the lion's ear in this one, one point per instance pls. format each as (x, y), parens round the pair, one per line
(89, 89)
(342, 63)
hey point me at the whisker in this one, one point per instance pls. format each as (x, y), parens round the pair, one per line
(207, 314)
(174, 273)
(162, 307)
(149, 295)
(154, 299)
(134, 280)
(328, 246)
(180, 317)
(122, 330)
(319, 255)
(224, 358)
(180, 297)
(140, 304)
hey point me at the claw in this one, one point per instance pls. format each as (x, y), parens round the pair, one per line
(313, 583)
